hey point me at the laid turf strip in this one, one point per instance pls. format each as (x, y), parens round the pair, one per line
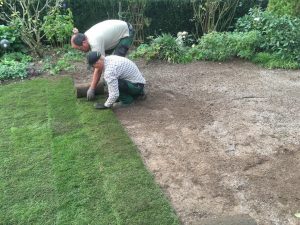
(63, 162)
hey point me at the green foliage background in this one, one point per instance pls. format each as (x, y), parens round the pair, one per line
(285, 7)
(165, 16)
(11, 34)
(280, 34)
(58, 26)
(260, 36)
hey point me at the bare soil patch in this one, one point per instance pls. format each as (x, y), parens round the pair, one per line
(221, 139)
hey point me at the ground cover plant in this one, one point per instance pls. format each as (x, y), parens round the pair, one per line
(14, 66)
(64, 163)
(61, 60)
(17, 65)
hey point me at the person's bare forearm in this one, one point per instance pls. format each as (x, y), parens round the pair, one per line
(96, 78)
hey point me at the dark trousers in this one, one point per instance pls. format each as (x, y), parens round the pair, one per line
(129, 91)
(122, 48)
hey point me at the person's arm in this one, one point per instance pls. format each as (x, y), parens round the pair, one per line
(113, 92)
(95, 80)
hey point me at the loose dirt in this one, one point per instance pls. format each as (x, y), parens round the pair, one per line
(221, 139)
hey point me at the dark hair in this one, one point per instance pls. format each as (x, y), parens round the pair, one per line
(78, 39)
(93, 57)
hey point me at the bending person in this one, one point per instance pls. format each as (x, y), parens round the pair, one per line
(110, 36)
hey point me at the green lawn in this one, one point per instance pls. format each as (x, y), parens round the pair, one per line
(62, 162)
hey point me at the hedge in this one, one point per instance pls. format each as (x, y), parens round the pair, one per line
(165, 16)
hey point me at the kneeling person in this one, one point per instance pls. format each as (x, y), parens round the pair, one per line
(124, 80)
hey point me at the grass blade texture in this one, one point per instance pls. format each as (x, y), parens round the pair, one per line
(63, 162)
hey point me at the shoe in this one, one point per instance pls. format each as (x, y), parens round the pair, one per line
(100, 106)
(118, 105)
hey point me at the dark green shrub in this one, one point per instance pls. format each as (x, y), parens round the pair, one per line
(280, 35)
(89, 12)
(58, 26)
(163, 16)
(245, 5)
(169, 16)
(11, 34)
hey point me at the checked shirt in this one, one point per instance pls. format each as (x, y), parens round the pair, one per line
(115, 68)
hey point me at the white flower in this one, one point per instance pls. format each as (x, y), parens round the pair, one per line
(184, 33)
(256, 19)
(193, 46)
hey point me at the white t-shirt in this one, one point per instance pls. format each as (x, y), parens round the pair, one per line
(106, 35)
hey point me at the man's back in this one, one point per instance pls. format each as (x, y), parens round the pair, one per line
(106, 35)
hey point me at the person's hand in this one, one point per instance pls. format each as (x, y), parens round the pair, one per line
(90, 95)
(100, 106)
(75, 30)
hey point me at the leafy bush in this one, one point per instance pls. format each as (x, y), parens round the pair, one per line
(27, 17)
(11, 34)
(163, 47)
(58, 26)
(273, 44)
(285, 7)
(280, 35)
(217, 46)
(245, 44)
(14, 66)
(214, 46)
